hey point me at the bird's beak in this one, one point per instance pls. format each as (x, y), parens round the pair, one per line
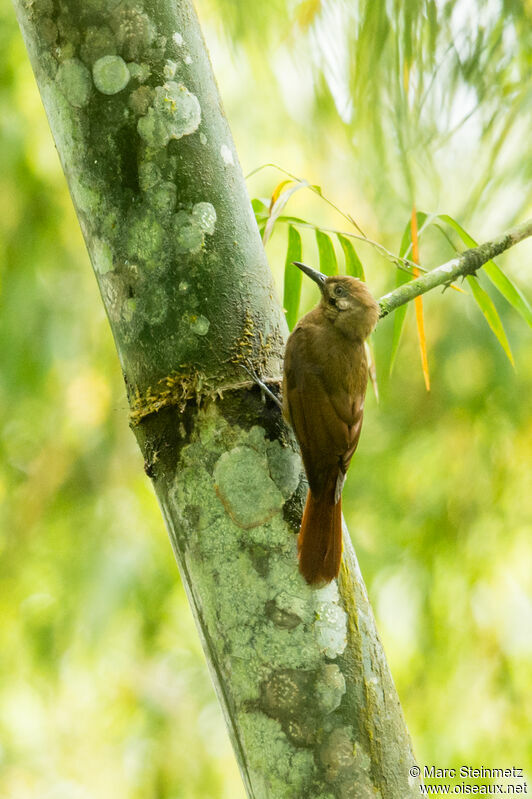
(314, 275)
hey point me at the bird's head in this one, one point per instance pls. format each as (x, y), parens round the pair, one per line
(346, 302)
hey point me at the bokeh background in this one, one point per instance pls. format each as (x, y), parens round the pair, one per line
(103, 686)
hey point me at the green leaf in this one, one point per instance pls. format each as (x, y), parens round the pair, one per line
(353, 264)
(292, 277)
(327, 255)
(260, 209)
(509, 291)
(485, 303)
(501, 282)
(295, 219)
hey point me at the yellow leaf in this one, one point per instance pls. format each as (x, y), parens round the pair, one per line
(277, 191)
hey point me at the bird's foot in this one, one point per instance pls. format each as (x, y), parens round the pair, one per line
(262, 385)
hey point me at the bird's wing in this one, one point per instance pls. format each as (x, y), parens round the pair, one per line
(324, 427)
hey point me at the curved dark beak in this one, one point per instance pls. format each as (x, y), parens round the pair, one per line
(314, 275)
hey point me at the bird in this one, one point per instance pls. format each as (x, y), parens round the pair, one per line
(325, 377)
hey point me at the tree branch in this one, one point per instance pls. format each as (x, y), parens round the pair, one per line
(464, 264)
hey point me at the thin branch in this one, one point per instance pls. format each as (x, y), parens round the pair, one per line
(464, 264)
(398, 260)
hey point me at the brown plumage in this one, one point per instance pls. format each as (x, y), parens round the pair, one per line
(324, 384)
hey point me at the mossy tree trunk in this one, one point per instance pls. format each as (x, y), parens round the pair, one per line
(152, 169)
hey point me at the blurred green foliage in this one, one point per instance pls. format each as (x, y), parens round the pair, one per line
(103, 686)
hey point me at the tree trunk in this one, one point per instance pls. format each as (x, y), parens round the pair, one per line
(152, 169)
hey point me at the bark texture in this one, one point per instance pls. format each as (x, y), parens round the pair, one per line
(152, 169)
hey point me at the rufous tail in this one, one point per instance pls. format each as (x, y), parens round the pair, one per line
(320, 538)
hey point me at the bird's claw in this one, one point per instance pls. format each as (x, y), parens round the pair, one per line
(262, 385)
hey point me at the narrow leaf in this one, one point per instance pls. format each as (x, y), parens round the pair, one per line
(353, 264)
(485, 303)
(327, 255)
(501, 281)
(292, 277)
(296, 220)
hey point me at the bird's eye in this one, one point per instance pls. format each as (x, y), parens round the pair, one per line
(339, 291)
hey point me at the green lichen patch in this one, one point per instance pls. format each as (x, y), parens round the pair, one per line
(188, 238)
(285, 693)
(169, 69)
(337, 752)
(101, 256)
(330, 688)
(175, 113)
(204, 215)
(101, 6)
(246, 488)
(96, 43)
(199, 324)
(285, 467)
(162, 197)
(190, 228)
(240, 599)
(134, 30)
(74, 80)
(256, 439)
(67, 28)
(199, 506)
(294, 605)
(149, 175)
(331, 621)
(285, 648)
(41, 8)
(140, 100)
(153, 303)
(139, 72)
(347, 764)
(48, 31)
(277, 766)
(271, 535)
(145, 234)
(110, 74)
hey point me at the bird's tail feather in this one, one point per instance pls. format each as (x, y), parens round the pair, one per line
(320, 537)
